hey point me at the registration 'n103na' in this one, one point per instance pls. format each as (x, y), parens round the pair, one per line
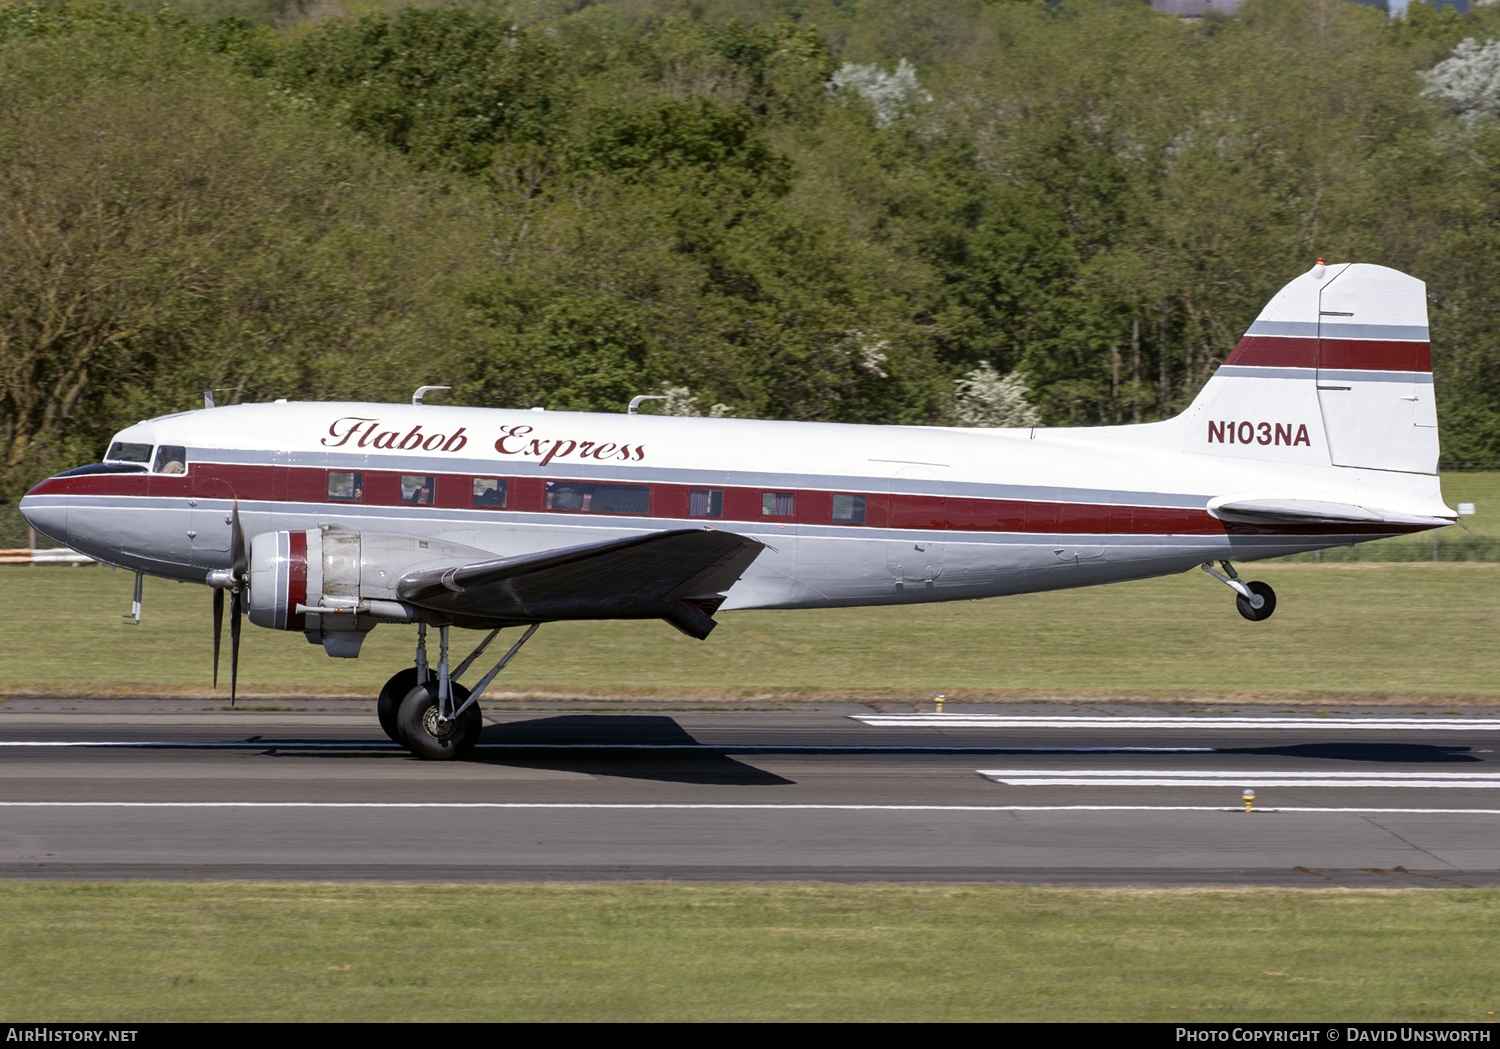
(329, 519)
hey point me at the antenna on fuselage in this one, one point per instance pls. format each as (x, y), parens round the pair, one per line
(208, 395)
(635, 402)
(416, 398)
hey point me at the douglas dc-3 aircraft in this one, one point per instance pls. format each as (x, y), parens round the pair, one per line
(1318, 431)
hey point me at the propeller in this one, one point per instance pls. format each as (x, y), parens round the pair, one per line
(235, 580)
(218, 630)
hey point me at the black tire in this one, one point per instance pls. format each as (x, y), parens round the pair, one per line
(389, 703)
(1255, 615)
(415, 721)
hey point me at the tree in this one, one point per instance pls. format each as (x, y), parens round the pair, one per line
(167, 225)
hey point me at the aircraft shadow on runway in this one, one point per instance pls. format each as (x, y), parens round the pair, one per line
(622, 730)
(1399, 752)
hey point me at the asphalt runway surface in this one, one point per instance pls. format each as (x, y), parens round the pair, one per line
(1392, 800)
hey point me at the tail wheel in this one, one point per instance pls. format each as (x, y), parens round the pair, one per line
(430, 737)
(1247, 607)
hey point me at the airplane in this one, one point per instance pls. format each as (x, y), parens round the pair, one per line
(328, 519)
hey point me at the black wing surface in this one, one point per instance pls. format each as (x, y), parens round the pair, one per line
(679, 576)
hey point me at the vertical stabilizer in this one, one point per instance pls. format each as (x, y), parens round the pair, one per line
(1336, 371)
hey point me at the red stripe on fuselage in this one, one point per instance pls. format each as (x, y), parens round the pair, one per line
(885, 510)
(1273, 351)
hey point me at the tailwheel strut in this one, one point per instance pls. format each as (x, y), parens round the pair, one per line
(436, 717)
(1255, 600)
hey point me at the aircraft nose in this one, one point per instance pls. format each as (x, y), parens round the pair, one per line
(48, 515)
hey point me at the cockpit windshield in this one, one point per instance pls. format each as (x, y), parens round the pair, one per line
(120, 452)
(168, 458)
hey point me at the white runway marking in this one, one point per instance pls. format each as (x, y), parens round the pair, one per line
(687, 805)
(1177, 778)
(1002, 721)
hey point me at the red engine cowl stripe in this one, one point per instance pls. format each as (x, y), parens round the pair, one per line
(296, 588)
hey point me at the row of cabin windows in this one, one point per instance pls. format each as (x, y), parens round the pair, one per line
(587, 497)
(347, 486)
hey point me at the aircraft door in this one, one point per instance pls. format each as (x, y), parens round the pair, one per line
(213, 500)
(1372, 347)
(919, 511)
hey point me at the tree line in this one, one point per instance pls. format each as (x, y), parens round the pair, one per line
(974, 212)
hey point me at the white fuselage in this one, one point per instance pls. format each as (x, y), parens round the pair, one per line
(849, 515)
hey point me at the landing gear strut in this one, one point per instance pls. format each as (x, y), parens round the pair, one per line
(1256, 600)
(427, 711)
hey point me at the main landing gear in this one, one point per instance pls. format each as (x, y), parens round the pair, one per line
(1256, 601)
(427, 711)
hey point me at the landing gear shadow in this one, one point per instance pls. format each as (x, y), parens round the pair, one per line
(1404, 752)
(601, 733)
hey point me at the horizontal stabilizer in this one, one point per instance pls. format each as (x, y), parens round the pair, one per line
(1270, 511)
(679, 576)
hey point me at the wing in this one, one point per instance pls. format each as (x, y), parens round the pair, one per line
(1296, 511)
(679, 576)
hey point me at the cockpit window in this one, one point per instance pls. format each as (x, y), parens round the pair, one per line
(170, 459)
(120, 452)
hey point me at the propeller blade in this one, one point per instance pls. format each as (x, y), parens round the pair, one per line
(235, 601)
(218, 630)
(238, 559)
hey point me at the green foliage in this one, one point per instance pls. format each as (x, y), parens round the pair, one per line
(624, 195)
(166, 225)
(672, 134)
(441, 84)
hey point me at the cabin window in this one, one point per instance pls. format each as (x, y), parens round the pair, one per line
(598, 498)
(848, 509)
(705, 502)
(170, 459)
(490, 492)
(345, 487)
(417, 489)
(777, 504)
(120, 452)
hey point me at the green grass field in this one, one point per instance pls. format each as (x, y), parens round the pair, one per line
(224, 952)
(1367, 631)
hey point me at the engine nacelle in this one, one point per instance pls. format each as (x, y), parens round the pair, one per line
(336, 585)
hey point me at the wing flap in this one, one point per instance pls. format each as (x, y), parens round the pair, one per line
(1299, 511)
(679, 576)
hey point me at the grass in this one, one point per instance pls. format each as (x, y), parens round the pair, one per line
(1392, 630)
(144, 951)
(1481, 489)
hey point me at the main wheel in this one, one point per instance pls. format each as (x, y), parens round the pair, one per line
(426, 735)
(1268, 602)
(389, 703)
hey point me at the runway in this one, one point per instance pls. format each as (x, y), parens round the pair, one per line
(837, 795)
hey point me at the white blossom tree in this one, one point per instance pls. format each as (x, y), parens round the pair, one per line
(1468, 83)
(894, 95)
(680, 400)
(984, 397)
